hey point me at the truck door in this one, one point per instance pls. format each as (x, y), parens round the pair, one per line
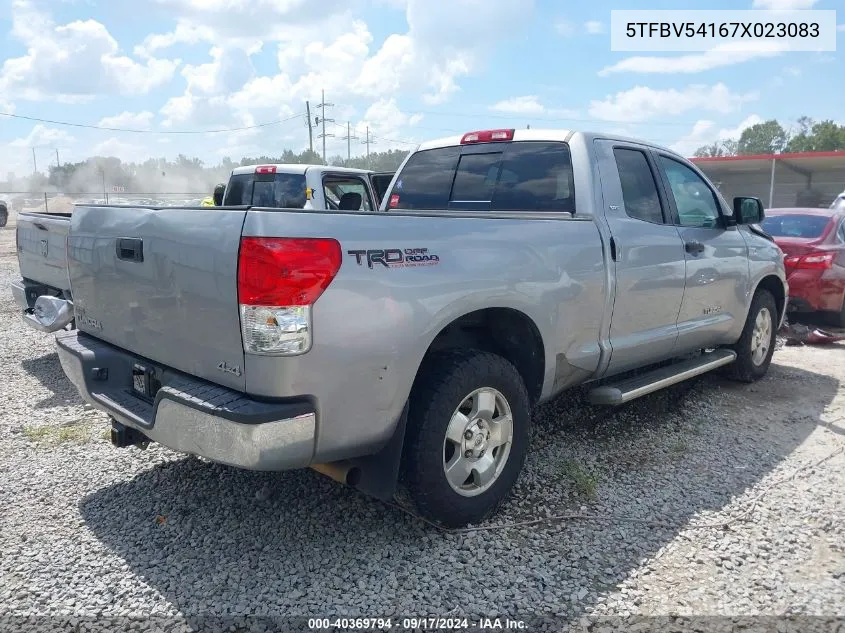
(715, 295)
(647, 255)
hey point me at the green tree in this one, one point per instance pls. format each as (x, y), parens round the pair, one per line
(825, 136)
(768, 137)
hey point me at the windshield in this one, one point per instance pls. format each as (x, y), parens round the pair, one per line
(801, 226)
(282, 191)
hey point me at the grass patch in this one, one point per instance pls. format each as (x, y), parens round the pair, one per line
(680, 446)
(73, 432)
(585, 483)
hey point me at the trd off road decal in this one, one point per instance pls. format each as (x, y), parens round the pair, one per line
(395, 257)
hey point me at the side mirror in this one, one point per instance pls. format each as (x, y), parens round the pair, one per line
(748, 210)
(219, 190)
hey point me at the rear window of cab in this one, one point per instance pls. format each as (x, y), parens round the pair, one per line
(515, 176)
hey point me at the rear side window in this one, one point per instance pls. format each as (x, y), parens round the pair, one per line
(639, 189)
(280, 191)
(518, 176)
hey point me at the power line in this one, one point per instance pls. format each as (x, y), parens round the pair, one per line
(120, 129)
(348, 138)
(322, 119)
(368, 141)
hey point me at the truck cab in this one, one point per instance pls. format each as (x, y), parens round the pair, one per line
(294, 186)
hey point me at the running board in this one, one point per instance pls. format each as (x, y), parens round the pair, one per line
(642, 385)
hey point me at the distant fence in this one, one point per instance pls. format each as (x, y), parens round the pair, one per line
(49, 201)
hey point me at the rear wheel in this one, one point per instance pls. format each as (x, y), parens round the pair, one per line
(755, 347)
(468, 426)
(837, 319)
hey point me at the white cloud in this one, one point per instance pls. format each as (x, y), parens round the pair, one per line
(565, 27)
(706, 132)
(530, 105)
(519, 105)
(594, 27)
(41, 135)
(241, 22)
(128, 120)
(73, 62)
(228, 71)
(840, 27)
(385, 121)
(784, 4)
(642, 103)
(125, 151)
(718, 57)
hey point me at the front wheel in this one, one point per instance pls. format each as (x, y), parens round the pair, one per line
(755, 347)
(468, 426)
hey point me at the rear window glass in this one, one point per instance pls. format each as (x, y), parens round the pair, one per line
(801, 226)
(535, 177)
(282, 191)
(476, 177)
(523, 176)
(426, 180)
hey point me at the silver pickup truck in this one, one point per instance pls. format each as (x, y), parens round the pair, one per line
(43, 292)
(408, 345)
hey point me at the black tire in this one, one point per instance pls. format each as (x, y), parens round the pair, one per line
(4, 215)
(445, 382)
(837, 319)
(744, 368)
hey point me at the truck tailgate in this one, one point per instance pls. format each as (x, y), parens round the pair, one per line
(161, 283)
(42, 248)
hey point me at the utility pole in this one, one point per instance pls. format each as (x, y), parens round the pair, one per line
(348, 138)
(58, 164)
(368, 141)
(34, 162)
(310, 132)
(323, 120)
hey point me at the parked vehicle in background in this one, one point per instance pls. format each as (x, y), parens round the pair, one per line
(4, 213)
(503, 268)
(43, 293)
(813, 241)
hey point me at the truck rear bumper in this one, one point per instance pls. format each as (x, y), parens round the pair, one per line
(40, 308)
(187, 414)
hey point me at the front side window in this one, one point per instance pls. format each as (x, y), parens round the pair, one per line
(695, 201)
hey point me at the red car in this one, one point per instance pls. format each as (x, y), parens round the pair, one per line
(813, 242)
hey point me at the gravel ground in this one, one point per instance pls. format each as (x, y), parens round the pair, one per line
(710, 499)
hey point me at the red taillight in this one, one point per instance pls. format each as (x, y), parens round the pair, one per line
(265, 169)
(813, 261)
(279, 271)
(487, 136)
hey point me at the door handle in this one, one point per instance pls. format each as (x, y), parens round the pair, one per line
(694, 248)
(130, 249)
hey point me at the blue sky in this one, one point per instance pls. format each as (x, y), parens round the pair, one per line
(409, 69)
